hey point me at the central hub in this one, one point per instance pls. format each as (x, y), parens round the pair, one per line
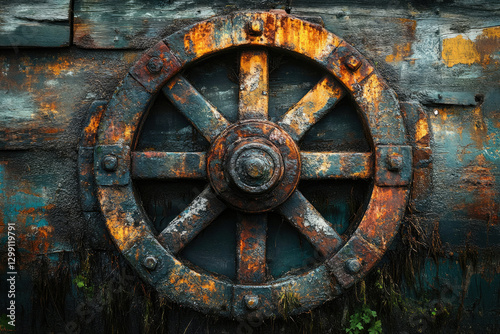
(253, 166)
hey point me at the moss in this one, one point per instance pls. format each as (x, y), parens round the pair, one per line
(50, 288)
(287, 302)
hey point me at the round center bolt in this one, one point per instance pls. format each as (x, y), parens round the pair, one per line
(255, 167)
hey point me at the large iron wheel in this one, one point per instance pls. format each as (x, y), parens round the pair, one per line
(253, 165)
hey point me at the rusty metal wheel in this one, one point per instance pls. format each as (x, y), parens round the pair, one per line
(253, 165)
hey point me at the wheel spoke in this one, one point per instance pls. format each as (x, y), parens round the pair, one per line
(251, 248)
(254, 85)
(312, 107)
(201, 113)
(327, 165)
(198, 215)
(301, 213)
(168, 165)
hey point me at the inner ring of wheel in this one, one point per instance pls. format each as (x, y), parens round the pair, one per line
(254, 166)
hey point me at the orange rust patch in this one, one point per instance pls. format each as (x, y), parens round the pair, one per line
(37, 241)
(33, 210)
(403, 50)
(193, 284)
(130, 57)
(478, 180)
(382, 216)
(82, 33)
(462, 50)
(479, 131)
(422, 135)
(90, 131)
(305, 38)
(205, 38)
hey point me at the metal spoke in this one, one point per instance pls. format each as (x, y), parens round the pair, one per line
(168, 165)
(186, 226)
(301, 213)
(201, 113)
(312, 107)
(344, 165)
(251, 248)
(254, 85)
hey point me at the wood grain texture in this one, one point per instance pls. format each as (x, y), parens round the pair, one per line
(45, 95)
(35, 23)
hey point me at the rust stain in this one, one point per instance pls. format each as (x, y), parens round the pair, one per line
(305, 38)
(90, 131)
(82, 33)
(254, 90)
(422, 134)
(206, 37)
(401, 51)
(479, 180)
(37, 241)
(192, 283)
(130, 57)
(382, 216)
(462, 50)
(479, 131)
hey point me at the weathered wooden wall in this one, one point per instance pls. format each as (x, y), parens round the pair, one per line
(443, 60)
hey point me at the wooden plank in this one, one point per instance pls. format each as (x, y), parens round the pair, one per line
(457, 42)
(45, 95)
(101, 24)
(404, 41)
(34, 23)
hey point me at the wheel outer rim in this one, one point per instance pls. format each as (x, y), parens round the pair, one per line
(127, 224)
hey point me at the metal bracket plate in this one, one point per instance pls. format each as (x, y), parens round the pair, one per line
(112, 165)
(394, 165)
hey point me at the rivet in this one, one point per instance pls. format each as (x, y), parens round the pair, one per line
(150, 262)
(252, 302)
(353, 266)
(394, 162)
(256, 28)
(109, 163)
(352, 62)
(155, 64)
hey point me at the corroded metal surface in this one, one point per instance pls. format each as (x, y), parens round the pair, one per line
(233, 183)
(253, 165)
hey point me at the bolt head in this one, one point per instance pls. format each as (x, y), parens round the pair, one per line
(352, 62)
(109, 163)
(254, 168)
(252, 302)
(155, 64)
(256, 28)
(353, 266)
(150, 262)
(395, 162)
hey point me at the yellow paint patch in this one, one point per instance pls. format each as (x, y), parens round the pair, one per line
(459, 50)
(462, 50)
